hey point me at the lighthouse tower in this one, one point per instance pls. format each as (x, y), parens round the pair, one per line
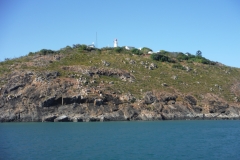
(115, 43)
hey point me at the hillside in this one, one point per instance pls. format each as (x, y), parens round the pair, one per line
(86, 84)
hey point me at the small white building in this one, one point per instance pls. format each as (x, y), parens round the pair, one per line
(91, 45)
(115, 43)
(150, 52)
(129, 47)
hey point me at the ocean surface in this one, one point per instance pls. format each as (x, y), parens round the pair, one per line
(121, 140)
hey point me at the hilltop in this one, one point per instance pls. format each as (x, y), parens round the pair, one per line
(81, 83)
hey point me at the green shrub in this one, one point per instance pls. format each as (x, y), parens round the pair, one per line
(200, 59)
(107, 48)
(118, 49)
(83, 47)
(206, 61)
(181, 57)
(76, 45)
(47, 51)
(161, 58)
(163, 52)
(31, 53)
(136, 51)
(7, 59)
(66, 48)
(145, 50)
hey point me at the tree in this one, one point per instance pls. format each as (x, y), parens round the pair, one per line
(199, 53)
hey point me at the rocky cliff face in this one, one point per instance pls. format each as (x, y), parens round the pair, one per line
(45, 97)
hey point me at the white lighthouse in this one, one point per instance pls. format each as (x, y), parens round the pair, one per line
(115, 43)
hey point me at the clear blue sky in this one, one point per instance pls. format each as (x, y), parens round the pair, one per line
(212, 26)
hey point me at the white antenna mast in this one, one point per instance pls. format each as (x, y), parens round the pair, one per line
(96, 39)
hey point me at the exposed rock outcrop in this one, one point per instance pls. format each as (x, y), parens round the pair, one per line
(45, 97)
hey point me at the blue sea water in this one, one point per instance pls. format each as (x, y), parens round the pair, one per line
(121, 140)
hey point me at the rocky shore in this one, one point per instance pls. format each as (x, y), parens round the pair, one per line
(29, 96)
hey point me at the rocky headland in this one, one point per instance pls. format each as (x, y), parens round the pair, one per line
(76, 93)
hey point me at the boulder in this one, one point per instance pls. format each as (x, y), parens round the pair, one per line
(127, 97)
(152, 66)
(174, 77)
(114, 116)
(190, 99)
(49, 118)
(62, 118)
(98, 102)
(149, 98)
(149, 116)
(16, 86)
(176, 112)
(105, 63)
(130, 113)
